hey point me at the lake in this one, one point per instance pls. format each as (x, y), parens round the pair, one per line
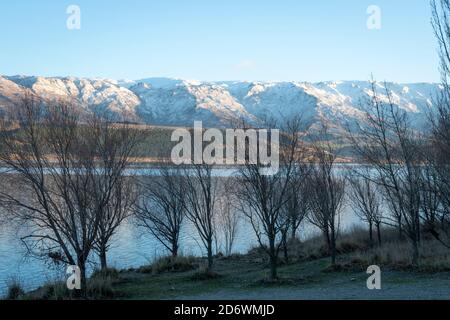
(131, 247)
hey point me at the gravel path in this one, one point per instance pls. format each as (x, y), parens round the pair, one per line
(433, 288)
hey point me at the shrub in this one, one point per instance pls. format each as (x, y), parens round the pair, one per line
(15, 291)
(51, 291)
(397, 256)
(353, 241)
(100, 288)
(171, 264)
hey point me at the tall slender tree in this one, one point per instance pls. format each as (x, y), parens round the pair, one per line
(201, 191)
(366, 203)
(161, 208)
(388, 143)
(263, 196)
(326, 192)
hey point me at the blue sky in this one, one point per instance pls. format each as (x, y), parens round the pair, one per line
(220, 40)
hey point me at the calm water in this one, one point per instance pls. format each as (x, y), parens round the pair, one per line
(131, 247)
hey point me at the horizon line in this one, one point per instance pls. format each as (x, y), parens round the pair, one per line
(140, 80)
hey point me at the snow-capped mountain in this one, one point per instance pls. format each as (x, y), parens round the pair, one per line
(165, 101)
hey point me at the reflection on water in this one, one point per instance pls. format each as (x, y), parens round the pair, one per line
(131, 248)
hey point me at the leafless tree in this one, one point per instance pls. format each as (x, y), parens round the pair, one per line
(366, 203)
(65, 174)
(389, 145)
(201, 191)
(431, 202)
(263, 196)
(115, 144)
(441, 25)
(162, 207)
(437, 178)
(228, 217)
(295, 209)
(115, 213)
(326, 192)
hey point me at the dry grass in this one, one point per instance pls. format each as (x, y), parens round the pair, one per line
(15, 290)
(171, 264)
(50, 291)
(99, 286)
(109, 273)
(356, 252)
(316, 248)
(397, 255)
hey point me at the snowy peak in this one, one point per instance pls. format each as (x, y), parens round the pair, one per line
(169, 101)
(95, 94)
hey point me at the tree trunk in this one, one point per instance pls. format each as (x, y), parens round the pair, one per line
(326, 235)
(273, 268)
(210, 255)
(333, 253)
(273, 260)
(285, 249)
(174, 249)
(379, 234)
(400, 229)
(371, 233)
(333, 248)
(415, 257)
(294, 231)
(103, 262)
(82, 293)
(419, 238)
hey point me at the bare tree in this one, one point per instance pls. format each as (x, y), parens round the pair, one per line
(201, 191)
(326, 193)
(65, 178)
(431, 201)
(115, 213)
(295, 209)
(389, 145)
(228, 216)
(437, 177)
(441, 25)
(115, 144)
(263, 196)
(366, 203)
(161, 207)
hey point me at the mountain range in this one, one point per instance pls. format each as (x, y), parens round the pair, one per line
(176, 102)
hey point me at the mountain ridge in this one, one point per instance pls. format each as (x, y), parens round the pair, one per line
(179, 102)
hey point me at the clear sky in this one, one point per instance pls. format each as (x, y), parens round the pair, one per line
(220, 40)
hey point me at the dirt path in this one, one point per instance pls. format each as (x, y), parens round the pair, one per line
(395, 287)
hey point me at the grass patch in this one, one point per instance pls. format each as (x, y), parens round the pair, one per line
(203, 275)
(108, 273)
(51, 291)
(397, 256)
(308, 268)
(15, 290)
(171, 264)
(100, 288)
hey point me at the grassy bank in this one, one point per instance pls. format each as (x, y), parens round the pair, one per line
(242, 278)
(305, 275)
